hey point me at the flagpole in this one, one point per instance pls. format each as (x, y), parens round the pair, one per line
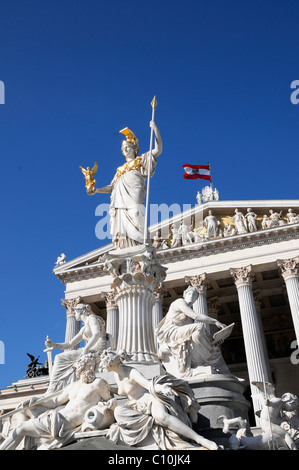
(154, 105)
(211, 184)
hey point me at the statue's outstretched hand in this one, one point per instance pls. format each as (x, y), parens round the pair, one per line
(49, 343)
(90, 191)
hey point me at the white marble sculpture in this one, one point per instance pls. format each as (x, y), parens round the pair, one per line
(93, 332)
(128, 190)
(207, 194)
(197, 238)
(229, 230)
(212, 226)
(251, 220)
(185, 341)
(64, 414)
(275, 435)
(275, 219)
(159, 411)
(289, 416)
(61, 260)
(240, 222)
(292, 217)
(184, 232)
(176, 236)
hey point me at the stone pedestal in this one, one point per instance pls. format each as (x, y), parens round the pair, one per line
(137, 275)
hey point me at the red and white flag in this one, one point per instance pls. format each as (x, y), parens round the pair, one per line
(193, 172)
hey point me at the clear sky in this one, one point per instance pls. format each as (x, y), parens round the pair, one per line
(76, 72)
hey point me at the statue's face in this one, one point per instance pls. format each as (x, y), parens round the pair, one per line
(128, 151)
(190, 297)
(78, 313)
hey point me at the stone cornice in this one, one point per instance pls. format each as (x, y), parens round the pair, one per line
(72, 273)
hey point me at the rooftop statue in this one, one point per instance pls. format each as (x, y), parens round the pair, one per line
(212, 226)
(128, 189)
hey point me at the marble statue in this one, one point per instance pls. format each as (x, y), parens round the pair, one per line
(207, 194)
(182, 334)
(160, 410)
(197, 238)
(128, 190)
(275, 434)
(60, 260)
(229, 230)
(275, 219)
(265, 222)
(292, 217)
(289, 419)
(176, 236)
(184, 230)
(212, 226)
(251, 220)
(93, 332)
(239, 221)
(64, 414)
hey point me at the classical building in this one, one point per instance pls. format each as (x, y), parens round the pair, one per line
(243, 256)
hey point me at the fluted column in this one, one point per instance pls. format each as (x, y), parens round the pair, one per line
(158, 310)
(72, 325)
(201, 284)
(258, 300)
(256, 361)
(213, 311)
(289, 269)
(112, 318)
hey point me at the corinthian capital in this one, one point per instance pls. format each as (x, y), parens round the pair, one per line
(289, 267)
(242, 276)
(109, 299)
(200, 282)
(70, 304)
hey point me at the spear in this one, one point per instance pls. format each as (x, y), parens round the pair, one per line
(154, 105)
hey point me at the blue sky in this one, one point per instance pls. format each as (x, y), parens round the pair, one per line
(76, 72)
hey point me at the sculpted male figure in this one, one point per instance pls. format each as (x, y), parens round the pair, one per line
(128, 190)
(56, 427)
(182, 333)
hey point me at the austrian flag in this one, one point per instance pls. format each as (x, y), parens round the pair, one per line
(193, 172)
